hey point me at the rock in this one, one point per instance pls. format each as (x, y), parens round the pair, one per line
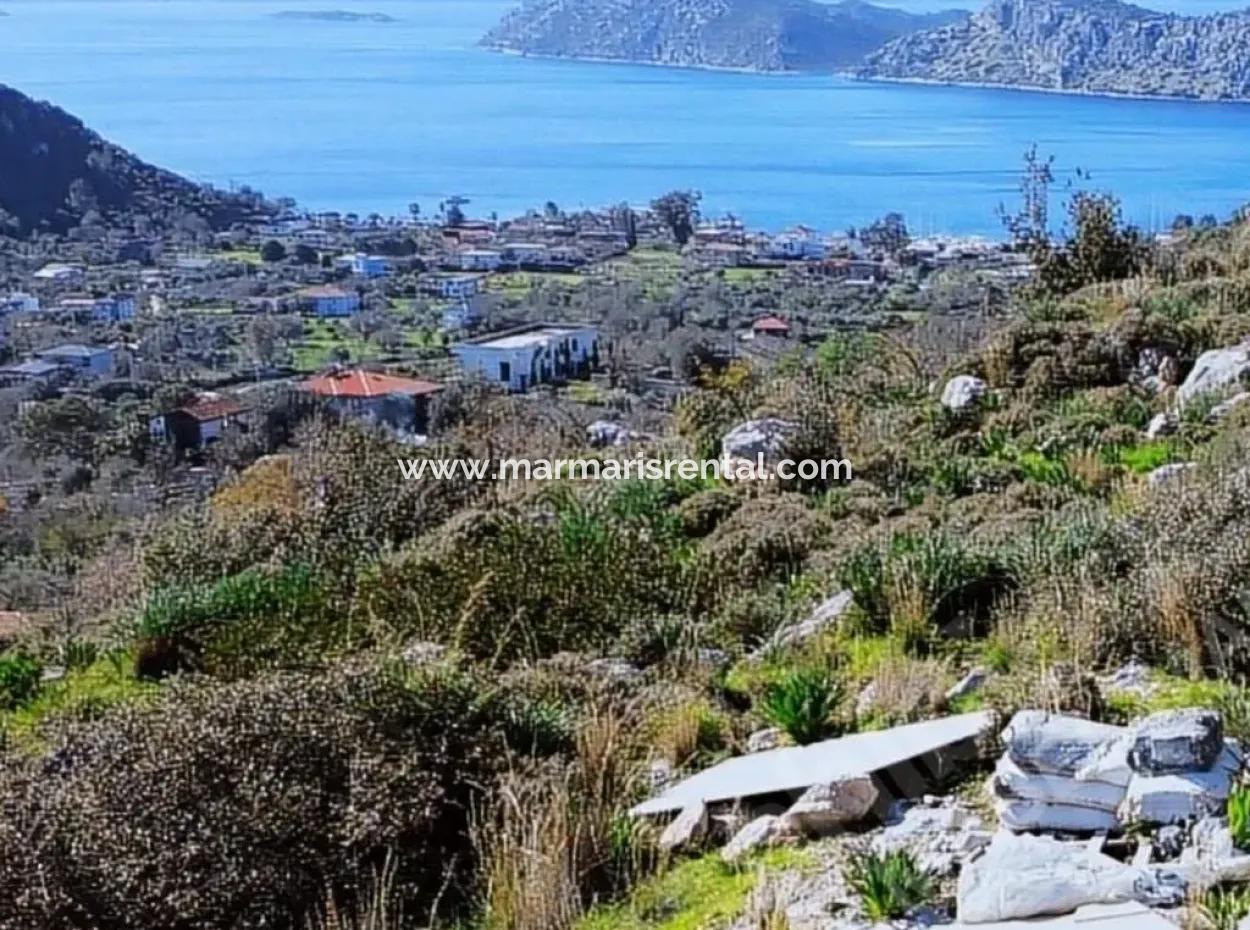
(1136, 678)
(824, 617)
(1012, 783)
(1221, 410)
(423, 653)
(1170, 474)
(764, 740)
(1162, 425)
(1210, 841)
(1216, 370)
(1177, 741)
(755, 438)
(759, 833)
(963, 392)
(1182, 797)
(826, 809)
(971, 683)
(660, 774)
(615, 669)
(1034, 816)
(1168, 842)
(865, 700)
(688, 828)
(1053, 744)
(606, 433)
(940, 838)
(1032, 876)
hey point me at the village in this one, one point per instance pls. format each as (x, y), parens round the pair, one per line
(374, 316)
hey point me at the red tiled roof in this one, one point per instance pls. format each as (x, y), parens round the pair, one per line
(205, 409)
(364, 384)
(771, 324)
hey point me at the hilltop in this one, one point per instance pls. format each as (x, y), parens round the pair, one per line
(58, 174)
(760, 35)
(1095, 46)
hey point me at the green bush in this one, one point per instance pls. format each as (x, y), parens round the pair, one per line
(804, 704)
(888, 885)
(1239, 817)
(1225, 908)
(19, 680)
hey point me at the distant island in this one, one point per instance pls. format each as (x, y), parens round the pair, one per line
(756, 35)
(1090, 46)
(1069, 46)
(335, 16)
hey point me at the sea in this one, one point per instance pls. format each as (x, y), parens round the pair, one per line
(372, 116)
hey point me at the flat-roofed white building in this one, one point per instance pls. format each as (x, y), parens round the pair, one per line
(539, 353)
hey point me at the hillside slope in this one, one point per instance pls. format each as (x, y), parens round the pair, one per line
(58, 173)
(763, 35)
(1101, 46)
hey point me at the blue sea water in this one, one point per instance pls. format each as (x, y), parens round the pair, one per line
(367, 116)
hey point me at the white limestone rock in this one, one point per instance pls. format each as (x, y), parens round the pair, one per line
(823, 810)
(1219, 369)
(1053, 744)
(754, 438)
(758, 834)
(963, 392)
(689, 827)
(1177, 741)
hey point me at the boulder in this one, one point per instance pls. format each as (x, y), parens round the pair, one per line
(1219, 369)
(1162, 425)
(1054, 744)
(1177, 741)
(690, 827)
(824, 617)
(1034, 816)
(1032, 876)
(963, 392)
(1184, 797)
(940, 838)
(1166, 475)
(606, 433)
(755, 438)
(826, 809)
(764, 740)
(1135, 678)
(759, 833)
(971, 683)
(1013, 783)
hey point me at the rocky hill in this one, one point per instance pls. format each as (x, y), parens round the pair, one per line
(763, 35)
(1100, 46)
(58, 174)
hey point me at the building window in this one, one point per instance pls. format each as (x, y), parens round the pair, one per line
(505, 372)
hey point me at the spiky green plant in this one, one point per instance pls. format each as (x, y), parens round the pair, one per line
(804, 704)
(1239, 817)
(889, 885)
(1225, 908)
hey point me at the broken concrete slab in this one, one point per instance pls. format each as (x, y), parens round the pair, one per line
(793, 769)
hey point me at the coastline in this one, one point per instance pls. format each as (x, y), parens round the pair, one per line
(865, 79)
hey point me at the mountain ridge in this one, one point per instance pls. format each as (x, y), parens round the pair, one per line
(758, 35)
(1083, 46)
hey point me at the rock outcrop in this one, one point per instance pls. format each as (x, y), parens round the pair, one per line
(758, 35)
(1100, 46)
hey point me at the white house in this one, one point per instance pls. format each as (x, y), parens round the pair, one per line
(525, 253)
(535, 354)
(62, 274)
(328, 301)
(116, 309)
(478, 259)
(19, 303)
(452, 286)
(366, 266)
(800, 244)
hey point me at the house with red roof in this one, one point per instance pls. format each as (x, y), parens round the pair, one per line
(396, 401)
(771, 326)
(204, 420)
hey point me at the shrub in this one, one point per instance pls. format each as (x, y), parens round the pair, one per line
(1239, 817)
(888, 885)
(19, 680)
(1225, 908)
(804, 704)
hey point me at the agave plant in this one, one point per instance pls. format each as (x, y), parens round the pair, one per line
(888, 885)
(803, 704)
